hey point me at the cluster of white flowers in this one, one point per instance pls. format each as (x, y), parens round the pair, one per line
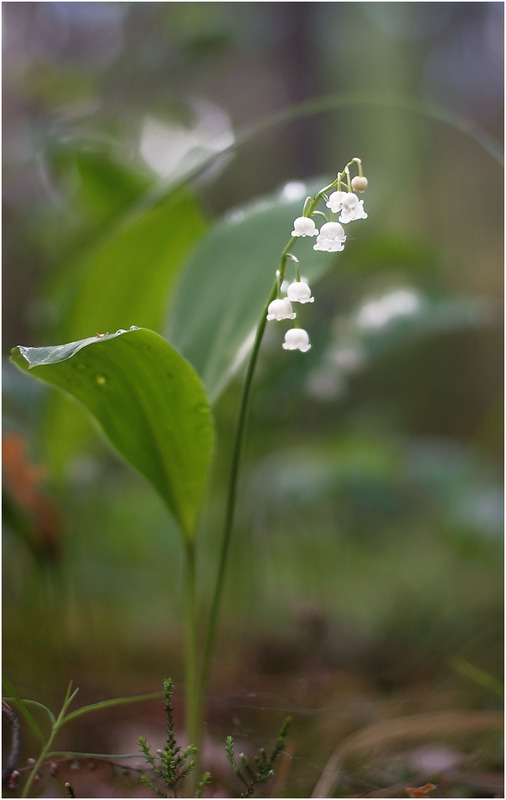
(297, 292)
(330, 238)
(348, 204)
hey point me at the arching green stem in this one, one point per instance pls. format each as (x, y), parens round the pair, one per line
(238, 446)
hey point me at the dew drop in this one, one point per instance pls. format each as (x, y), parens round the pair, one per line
(134, 327)
(100, 379)
(120, 330)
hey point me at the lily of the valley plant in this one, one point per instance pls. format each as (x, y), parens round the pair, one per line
(152, 405)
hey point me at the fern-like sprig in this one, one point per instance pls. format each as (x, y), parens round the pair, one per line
(262, 768)
(172, 763)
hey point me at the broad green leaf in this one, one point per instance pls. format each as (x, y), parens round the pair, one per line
(128, 272)
(228, 278)
(148, 401)
(126, 275)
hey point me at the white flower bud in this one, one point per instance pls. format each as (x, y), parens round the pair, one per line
(359, 183)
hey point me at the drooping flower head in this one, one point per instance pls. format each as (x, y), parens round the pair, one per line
(297, 339)
(299, 292)
(280, 309)
(331, 238)
(345, 206)
(304, 226)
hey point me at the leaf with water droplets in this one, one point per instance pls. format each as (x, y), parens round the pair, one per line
(148, 400)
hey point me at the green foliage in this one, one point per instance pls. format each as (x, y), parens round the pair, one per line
(148, 401)
(57, 723)
(263, 768)
(129, 270)
(23, 707)
(125, 275)
(172, 763)
(100, 186)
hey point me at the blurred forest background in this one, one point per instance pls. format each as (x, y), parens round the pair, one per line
(366, 575)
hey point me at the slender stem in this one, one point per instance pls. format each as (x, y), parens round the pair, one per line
(236, 456)
(193, 708)
(57, 724)
(33, 772)
(232, 487)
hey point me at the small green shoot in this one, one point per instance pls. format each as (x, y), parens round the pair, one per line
(172, 763)
(57, 722)
(263, 769)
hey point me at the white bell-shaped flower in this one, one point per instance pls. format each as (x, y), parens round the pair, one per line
(304, 226)
(352, 208)
(335, 201)
(297, 339)
(331, 238)
(299, 292)
(280, 309)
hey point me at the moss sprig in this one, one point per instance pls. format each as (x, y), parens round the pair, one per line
(262, 769)
(172, 763)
